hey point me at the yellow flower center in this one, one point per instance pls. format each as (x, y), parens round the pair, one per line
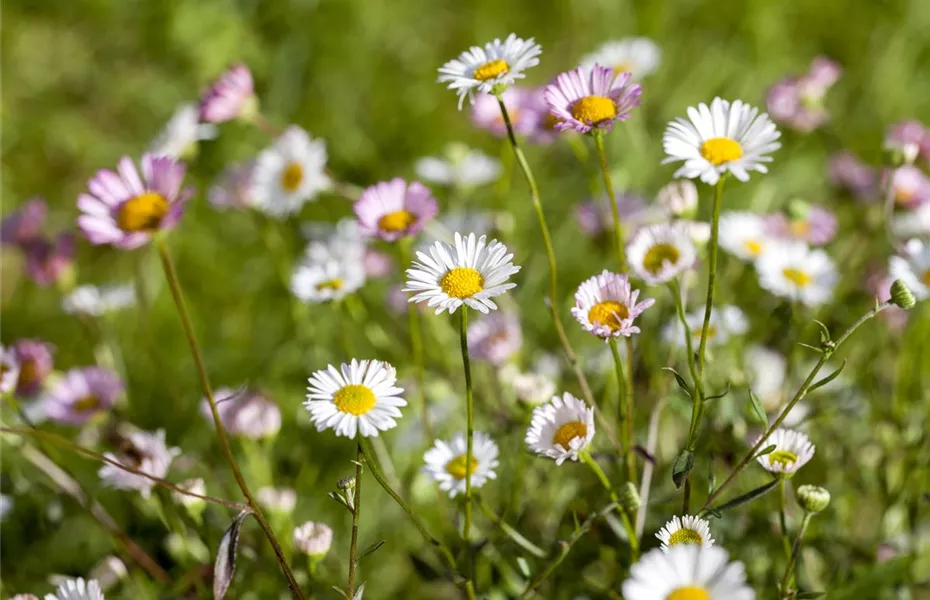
(926, 278)
(903, 197)
(608, 313)
(685, 536)
(550, 121)
(594, 109)
(396, 221)
(87, 404)
(354, 399)
(711, 332)
(622, 68)
(797, 277)
(491, 69)
(28, 373)
(333, 284)
(569, 431)
(462, 282)
(800, 228)
(689, 592)
(754, 247)
(456, 466)
(658, 255)
(721, 150)
(142, 213)
(786, 458)
(291, 177)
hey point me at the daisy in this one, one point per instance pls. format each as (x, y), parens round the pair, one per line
(461, 167)
(910, 138)
(125, 210)
(678, 198)
(182, 133)
(486, 112)
(289, 173)
(909, 186)
(495, 338)
(470, 273)
(343, 243)
(144, 451)
(531, 388)
(313, 539)
(744, 235)
(911, 224)
(846, 171)
(82, 393)
(9, 370)
(592, 99)
(496, 65)
(685, 530)
(638, 56)
(724, 138)
(24, 224)
(35, 362)
(793, 450)
(795, 271)
(725, 322)
(687, 572)
(96, 301)
(446, 462)
(231, 96)
(394, 209)
(913, 268)
(605, 305)
(77, 589)
(327, 280)
(280, 500)
(360, 397)
(109, 571)
(561, 429)
(660, 253)
(233, 188)
(803, 222)
(48, 261)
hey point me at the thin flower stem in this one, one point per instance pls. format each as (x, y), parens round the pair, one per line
(614, 209)
(469, 420)
(627, 524)
(782, 520)
(712, 270)
(356, 512)
(675, 289)
(623, 411)
(510, 531)
(629, 409)
(416, 343)
(793, 557)
(175, 286)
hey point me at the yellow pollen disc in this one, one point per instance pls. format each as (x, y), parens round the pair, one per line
(462, 282)
(754, 247)
(594, 109)
(721, 150)
(797, 277)
(711, 332)
(622, 68)
(87, 404)
(333, 284)
(142, 213)
(783, 457)
(490, 70)
(689, 592)
(609, 314)
(354, 399)
(658, 255)
(569, 431)
(800, 228)
(685, 536)
(291, 177)
(903, 197)
(396, 221)
(28, 373)
(456, 466)
(550, 121)
(926, 278)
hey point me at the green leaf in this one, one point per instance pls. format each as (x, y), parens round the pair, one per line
(225, 565)
(720, 395)
(757, 409)
(681, 381)
(341, 500)
(369, 550)
(683, 465)
(824, 332)
(767, 450)
(748, 496)
(828, 378)
(524, 566)
(341, 591)
(810, 595)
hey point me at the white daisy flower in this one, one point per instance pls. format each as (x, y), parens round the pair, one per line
(793, 270)
(497, 64)
(687, 572)
(313, 539)
(678, 198)
(726, 137)
(532, 388)
(282, 500)
(95, 301)
(470, 273)
(725, 322)
(913, 268)
(327, 281)
(605, 305)
(9, 370)
(561, 429)
(289, 173)
(469, 168)
(698, 230)
(77, 589)
(180, 136)
(446, 462)
(766, 370)
(793, 450)
(360, 397)
(744, 235)
(912, 223)
(685, 530)
(639, 56)
(146, 452)
(660, 253)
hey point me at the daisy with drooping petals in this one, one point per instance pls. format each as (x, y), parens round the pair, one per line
(125, 210)
(96, 301)
(725, 322)
(361, 397)
(35, 361)
(80, 394)
(447, 462)
(9, 370)
(685, 530)
(77, 589)
(231, 96)
(592, 99)
(394, 209)
(913, 268)
(793, 450)
(687, 572)
(606, 306)
(327, 280)
(496, 64)
(795, 271)
(638, 56)
(724, 138)
(289, 173)
(495, 338)
(459, 167)
(182, 133)
(470, 273)
(562, 429)
(744, 235)
(146, 452)
(660, 253)
(803, 222)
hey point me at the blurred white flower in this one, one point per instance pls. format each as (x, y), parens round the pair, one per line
(144, 452)
(460, 167)
(725, 321)
(678, 198)
(181, 134)
(639, 56)
(289, 173)
(446, 462)
(913, 223)
(282, 500)
(195, 486)
(795, 271)
(744, 235)
(77, 589)
(660, 253)
(313, 539)
(687, 572)
(95, 301)
(913, 268)
(495, 338)
(108, 572)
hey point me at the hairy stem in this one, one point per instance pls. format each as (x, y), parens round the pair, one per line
(356, 512)
(614, 209)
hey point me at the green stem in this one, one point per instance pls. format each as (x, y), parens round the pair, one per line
(629, 409)
(356, 512)
(510, 531)
(623, 411)
(782, 518)
(175, 286)
(698, 394)
(712, 271)
(793, 557)
(416, 343)
(627, 524)
(469, 419)
(614, 209)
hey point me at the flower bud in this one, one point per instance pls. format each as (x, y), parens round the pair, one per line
(813, 498)
(313, 539)
(901, 295)
(346, 484)
(679, 198)
(629, 498)
(798, 210)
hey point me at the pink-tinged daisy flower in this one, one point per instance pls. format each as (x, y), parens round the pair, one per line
(544, 129)
(606, 306)
(495, 338)
(244, 413)
(125, 210)
(233, 188)
(486, 113)
(807, 223)
(80, 394)
(9, 370)
(230, 97)
(798, 102)
(561, 429)
(24, 224)
(394, 209)
(47, 261)
(35, 363)
(592, 99)
(846, 171)
(909, 185)
(495, 66)
(143, 451)
(911, 138)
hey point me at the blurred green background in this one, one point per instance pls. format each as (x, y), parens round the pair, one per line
(86, 82)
